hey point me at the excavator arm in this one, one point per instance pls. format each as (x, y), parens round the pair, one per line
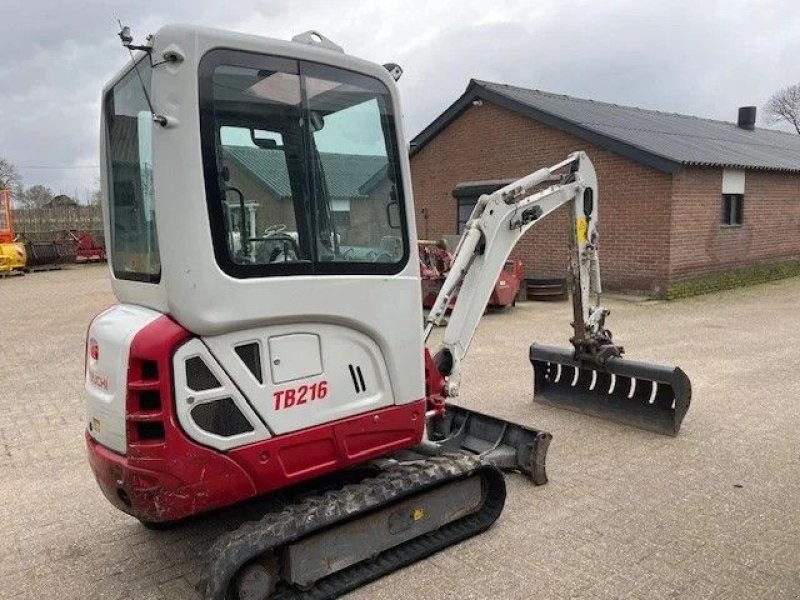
(495, 226)
(591, 377)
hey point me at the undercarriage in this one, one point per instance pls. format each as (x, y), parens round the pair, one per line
(406, 507)
(336, 541)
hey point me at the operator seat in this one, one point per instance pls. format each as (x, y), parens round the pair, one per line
(277, 247)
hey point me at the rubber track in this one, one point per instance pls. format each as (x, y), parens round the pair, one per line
(396, 482)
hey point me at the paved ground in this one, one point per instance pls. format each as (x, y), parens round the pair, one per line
(714, 513)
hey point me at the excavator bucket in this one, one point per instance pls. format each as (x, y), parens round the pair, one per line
(648, 396)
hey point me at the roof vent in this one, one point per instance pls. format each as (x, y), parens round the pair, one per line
(747, 117)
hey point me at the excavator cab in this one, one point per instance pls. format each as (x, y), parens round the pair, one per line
(257, 203)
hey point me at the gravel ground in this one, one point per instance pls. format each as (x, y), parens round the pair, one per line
(713, 513)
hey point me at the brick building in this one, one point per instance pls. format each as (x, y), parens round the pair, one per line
(356, 183)
(686, 204)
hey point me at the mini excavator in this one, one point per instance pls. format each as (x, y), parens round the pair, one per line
(257, 203)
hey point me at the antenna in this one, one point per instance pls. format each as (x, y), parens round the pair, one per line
(127, 41)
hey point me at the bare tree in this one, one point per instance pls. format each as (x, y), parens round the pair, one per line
(96, 195)
(785, 106)
(9, 176)
(36, 196)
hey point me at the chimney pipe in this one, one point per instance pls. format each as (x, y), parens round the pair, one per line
(747, 117)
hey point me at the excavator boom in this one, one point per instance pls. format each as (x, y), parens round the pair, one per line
(591, 377)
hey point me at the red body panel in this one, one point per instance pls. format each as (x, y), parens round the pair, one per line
(434, 385)
(165, 476)
(507, 286)
(290, 458)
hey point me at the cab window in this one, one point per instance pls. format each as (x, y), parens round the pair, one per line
(301, 168)
(129, 123)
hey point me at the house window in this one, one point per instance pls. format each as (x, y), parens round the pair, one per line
(341, 219)
(465, 207)
(732, 209)
(467, 195)
(733, 182)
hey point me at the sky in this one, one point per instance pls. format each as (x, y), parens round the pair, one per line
(704, 58)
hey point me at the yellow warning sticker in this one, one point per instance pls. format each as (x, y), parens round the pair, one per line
(418, 513)
(582, 228)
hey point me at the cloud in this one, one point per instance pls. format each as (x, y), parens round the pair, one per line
(703, 58)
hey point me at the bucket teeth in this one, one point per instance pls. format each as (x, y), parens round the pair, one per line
(644, 395)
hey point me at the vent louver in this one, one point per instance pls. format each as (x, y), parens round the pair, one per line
(198, 376)
(250, 355)
(221, 417)
(358, 378)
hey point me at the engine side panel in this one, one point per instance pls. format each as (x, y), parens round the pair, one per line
(107, 349)
(155, 471)
(300, 376)
(209, 405)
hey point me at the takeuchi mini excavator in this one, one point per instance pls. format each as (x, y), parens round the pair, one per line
(257, 203)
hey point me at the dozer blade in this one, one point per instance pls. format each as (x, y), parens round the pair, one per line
(508, 446)
(648, 396)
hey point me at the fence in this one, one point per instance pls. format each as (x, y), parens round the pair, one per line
(51, 223)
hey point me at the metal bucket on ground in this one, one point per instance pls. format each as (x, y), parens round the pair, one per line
(644, 395)
(42, 256)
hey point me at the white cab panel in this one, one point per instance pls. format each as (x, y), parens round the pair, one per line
(324, 373)
(193, 289)
(109, 339)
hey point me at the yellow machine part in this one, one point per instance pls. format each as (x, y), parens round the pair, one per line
(12, 257)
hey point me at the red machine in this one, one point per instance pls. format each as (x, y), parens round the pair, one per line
(87, 249)
(508, 284)
(435, 261)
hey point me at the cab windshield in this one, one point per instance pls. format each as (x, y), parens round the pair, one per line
(301, 168)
